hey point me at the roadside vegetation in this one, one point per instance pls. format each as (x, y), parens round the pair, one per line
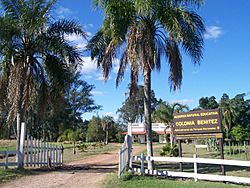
(133, 181)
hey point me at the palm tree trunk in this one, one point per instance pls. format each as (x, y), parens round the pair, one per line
(147, 113)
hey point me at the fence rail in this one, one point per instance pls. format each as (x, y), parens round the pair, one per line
(195, 174)
(6, 155)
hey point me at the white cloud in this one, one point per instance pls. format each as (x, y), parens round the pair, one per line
(195, 72)
(183, 101)
(78, 40)
(213, 32)
(91, 25)
(97, 93)
(115, 116)
(62, 12)
(89, 67)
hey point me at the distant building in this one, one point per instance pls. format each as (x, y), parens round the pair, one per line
(158, 129)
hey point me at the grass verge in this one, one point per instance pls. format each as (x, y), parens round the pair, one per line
(153, 182)
(11, 174)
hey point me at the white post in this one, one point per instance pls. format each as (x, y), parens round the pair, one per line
(130, 156)
(17, 136)
(22, 141)
(195, 168)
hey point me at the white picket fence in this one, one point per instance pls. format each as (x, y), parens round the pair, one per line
(195, 174)
(38, 153)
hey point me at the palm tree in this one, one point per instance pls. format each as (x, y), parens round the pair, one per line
(228, 111)
(107, 122)
(36, 56)
(145, 31)
(164, 112)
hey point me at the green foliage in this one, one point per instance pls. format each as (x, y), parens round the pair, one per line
(164, 112)
(95, 132)
(208, 103)
(239, 133)
(70, 135)
(127, 176)
(167, 150)
(132, 109)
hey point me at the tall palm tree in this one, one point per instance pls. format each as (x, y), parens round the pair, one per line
(36, 56)
(145, 31)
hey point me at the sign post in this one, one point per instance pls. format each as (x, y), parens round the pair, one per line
(197, 125)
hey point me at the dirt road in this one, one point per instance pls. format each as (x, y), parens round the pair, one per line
(89, 172)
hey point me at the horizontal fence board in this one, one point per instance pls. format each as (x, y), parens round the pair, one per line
(9, 152)
(9, 164)
(202, 160)
(209, 177)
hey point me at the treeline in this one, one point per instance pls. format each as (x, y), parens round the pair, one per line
(235, 112)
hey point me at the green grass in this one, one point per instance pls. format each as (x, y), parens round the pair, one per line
(154, 182)
(7, 175)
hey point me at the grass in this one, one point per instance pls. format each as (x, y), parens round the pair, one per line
(11, 174)
(154, 182)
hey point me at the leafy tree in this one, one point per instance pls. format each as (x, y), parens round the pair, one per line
(146, 31)
(239, 133)
(132, 109)
(95, 130)
(208, 103)
(36, 56)
(164, 112)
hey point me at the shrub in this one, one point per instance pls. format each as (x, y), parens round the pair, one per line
(167, 150)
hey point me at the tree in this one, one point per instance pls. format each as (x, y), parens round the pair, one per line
(95, 130)
(36, 56)
(228, 113)
(146, 31)
(208, 103)
(164, 112)
(132, 109)
(107, 123)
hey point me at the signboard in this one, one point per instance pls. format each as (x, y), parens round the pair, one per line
(197, 122)
(198, 136)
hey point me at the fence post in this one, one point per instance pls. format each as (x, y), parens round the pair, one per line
(6, 158)
(129, 137)
(195, 168)
(119, 165)
(62, 155)
(142, 164)
(22, 141)
(17, 136)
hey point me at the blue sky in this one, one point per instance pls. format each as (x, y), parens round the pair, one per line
(225, 67)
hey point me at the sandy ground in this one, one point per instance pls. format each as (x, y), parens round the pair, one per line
(89, 172)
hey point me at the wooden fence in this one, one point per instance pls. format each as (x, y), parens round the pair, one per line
(6, 154)
(125, 153)
(40, 153)
(195, 174)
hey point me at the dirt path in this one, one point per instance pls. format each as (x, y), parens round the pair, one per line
(89, 172)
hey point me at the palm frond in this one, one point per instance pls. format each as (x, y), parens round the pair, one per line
(175, 65)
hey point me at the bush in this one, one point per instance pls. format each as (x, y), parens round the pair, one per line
(167, 150)
(239, 133)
